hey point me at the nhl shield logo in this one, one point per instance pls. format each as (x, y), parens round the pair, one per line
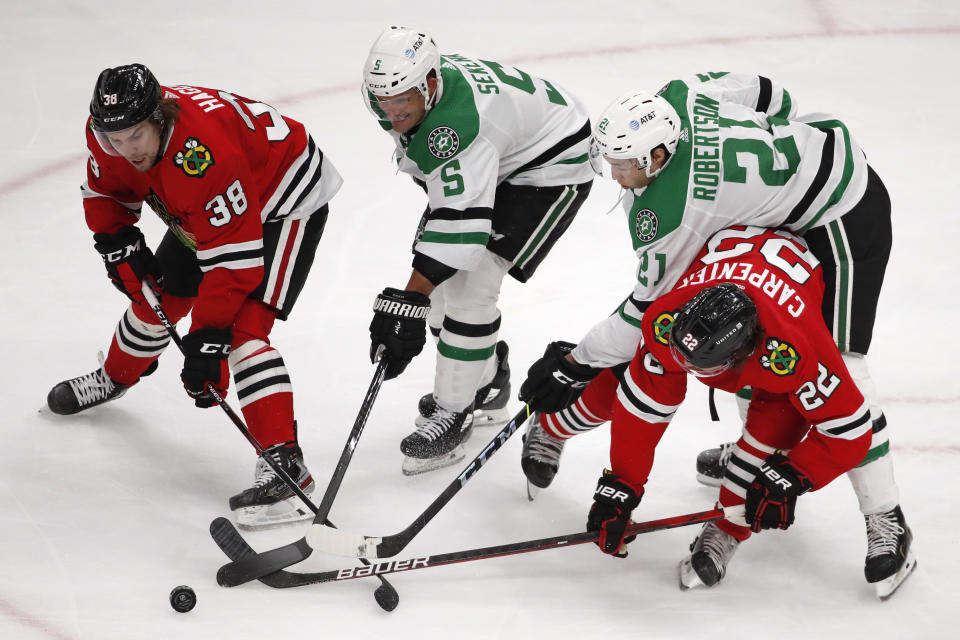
(647, 225)
(443, 142)
(195, 158)
(781, 357)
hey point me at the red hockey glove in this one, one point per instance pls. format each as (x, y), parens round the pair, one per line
(772, 497)
(613, 502)
(205, 363)
(128, 260)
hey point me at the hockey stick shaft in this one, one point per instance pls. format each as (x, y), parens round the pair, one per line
(354, 545)
(326, 503)
(285, 579)
(154, 303)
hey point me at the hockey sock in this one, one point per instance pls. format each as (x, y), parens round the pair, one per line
(139, 339)
(264, 392)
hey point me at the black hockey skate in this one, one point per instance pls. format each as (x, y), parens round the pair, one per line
(712, 464)
(540, 459)
(270, 502)
(706, 565)
(86, 391)
(490, 402)
(438, 440)
(890, 558)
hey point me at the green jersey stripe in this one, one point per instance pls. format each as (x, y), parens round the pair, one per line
(786, 105)
(847, 168)
(455, 238)
(464, 355)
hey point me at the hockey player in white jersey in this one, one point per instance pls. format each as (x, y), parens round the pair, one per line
(702, 154)
(503, 158)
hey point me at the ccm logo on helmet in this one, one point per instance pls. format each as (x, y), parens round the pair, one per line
(610, 492)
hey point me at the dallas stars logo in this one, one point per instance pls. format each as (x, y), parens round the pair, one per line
(194, 158)
(781, 357)
(647, 225)
(661, 328)
(443, 142)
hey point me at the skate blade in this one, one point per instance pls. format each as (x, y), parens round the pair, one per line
(263, 517)
(708, 481)
(491, 418)
(887, 587)
(532, 490)
(687, 576)
(416, 466)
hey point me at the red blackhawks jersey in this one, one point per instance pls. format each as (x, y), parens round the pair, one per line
(796, 359)
(227, 166)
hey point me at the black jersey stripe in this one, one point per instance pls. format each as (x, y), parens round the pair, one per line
(574, 138)
(317, 174)
(233, 256)
(819, 180)
(850, 426)
(640, 404)
(468, 330)
(766, 93)
(297, 178)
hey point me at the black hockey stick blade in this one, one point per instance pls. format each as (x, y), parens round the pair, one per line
(354, 545)
(294, 579)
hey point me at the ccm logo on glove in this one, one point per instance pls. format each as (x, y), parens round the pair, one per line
(123, 253)
(400, 309)
(216, 349)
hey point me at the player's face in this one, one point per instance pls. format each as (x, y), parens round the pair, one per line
(139, 144)
(627, 172)
(405, 110)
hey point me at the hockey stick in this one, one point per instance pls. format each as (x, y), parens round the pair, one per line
(248, 567)
(154, 303)
(286, 579)
(322, 537)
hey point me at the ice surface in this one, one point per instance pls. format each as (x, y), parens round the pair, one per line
(105, 512)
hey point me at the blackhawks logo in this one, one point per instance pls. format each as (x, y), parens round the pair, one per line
(443, 142)
(662, 326)
(781, 357)
(647, 225)
(172, 221)
(195, 158)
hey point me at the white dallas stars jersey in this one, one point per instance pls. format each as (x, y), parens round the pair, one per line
(492, 124)
(742, 159)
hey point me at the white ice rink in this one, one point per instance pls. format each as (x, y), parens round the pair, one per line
(103, 513)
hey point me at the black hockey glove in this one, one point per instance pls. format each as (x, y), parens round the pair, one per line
(128, 260)
(772, 497)
(613, 502)
(205, 363)
(400, 325)
(554, 383)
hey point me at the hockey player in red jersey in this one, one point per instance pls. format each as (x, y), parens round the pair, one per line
(747, 312)
(244, 193)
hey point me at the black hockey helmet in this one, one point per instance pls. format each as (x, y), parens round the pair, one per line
(715, 330)
(123, 97)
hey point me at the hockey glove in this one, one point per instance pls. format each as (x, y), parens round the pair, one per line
(613, 502)
(772, 497)
(400, 325)
(128, 260)
(205, 363)
(554, 383)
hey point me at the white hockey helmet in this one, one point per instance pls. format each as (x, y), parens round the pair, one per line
(633, 126)
(400, 60)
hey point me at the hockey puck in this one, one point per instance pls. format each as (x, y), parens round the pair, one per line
(183, 599)
(387, 598)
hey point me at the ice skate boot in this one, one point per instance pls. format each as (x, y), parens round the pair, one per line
(81, 393)
(270, 502)
(438, 440)
(540, 458)
(890, 560)
(711, 551)
(712, 464)
(490, 403)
